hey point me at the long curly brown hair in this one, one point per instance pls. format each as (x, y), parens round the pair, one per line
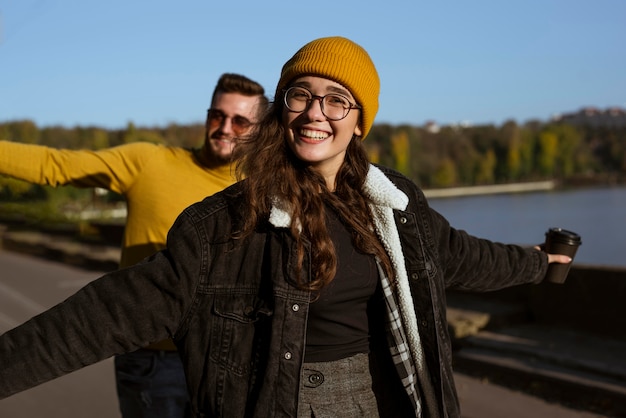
(273, 173)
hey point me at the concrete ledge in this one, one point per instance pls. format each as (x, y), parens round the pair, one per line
(468, 314)
(491, 189)
(561, 342)
(591, 300)
(62, 249)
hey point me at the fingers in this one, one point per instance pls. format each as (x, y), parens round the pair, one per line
(559, 258)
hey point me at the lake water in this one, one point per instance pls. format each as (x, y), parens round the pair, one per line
(598, 215)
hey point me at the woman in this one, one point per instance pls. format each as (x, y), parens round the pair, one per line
(315, 287)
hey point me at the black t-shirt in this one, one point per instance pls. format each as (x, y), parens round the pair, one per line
(338, 319)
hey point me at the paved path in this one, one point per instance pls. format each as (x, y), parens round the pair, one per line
(29, 285)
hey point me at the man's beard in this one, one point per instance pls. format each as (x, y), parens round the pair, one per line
(212, 151)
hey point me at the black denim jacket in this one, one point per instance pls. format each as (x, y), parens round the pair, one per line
(234, 312)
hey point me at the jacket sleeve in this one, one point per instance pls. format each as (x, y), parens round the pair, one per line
(113, 168)
(117, 313)
(475, 264)
(470, 263)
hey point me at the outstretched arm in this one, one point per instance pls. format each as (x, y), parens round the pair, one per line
(113, 168)
(120, 312)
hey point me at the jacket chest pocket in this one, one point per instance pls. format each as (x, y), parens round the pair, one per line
(237, 331)
(417, 256)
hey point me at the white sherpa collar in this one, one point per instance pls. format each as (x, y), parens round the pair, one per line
(280, 214)
(382, 191)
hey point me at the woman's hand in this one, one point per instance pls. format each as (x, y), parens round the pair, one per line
(555, 258)
(559, 258)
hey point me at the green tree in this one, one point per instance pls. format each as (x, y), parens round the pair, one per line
(548, 148)
(25, 131)
(100, 139)
(527, 146)
(373, 152)
(380, 136)
(148, 135)
(486, 168)
(400, 150)
(14, 189)
(134, 134)
(190, 136)
(130, 135)
(513, 153)
(446, 174)
(569, 143)
(426, 158)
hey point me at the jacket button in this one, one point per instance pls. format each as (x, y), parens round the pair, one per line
(287, 355)
(316, 379)
(414, 276)
(403, 220)
(295, 307)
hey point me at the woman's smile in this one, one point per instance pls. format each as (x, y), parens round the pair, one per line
(312, 135)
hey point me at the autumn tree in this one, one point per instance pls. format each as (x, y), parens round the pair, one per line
(548, 148)
(25, 131)
(400, 150)
(512, 136)
(527, 147)
(446, 174)
(485, 171)
(569, 144)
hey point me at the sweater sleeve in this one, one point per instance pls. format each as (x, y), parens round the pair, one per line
(113, 168)
(117, 313)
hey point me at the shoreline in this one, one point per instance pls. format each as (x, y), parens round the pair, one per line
(576, 182)
(491, 189)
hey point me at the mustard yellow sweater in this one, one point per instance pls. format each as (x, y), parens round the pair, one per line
(157, 181)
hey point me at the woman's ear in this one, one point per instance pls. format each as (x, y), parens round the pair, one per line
(357, 130)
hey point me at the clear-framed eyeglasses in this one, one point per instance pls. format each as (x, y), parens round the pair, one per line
(334, 106)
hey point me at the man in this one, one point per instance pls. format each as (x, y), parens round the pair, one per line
(158, 182)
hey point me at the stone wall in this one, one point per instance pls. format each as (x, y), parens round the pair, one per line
(593, 299)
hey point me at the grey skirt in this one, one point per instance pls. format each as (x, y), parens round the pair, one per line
(335, 389)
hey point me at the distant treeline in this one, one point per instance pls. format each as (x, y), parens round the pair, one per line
(465, 156)
(432, 156)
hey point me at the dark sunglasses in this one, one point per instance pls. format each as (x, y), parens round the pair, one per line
(239, 124)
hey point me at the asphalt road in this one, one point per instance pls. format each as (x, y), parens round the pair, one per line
(30, 285)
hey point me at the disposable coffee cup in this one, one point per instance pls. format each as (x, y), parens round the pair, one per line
(560, 241)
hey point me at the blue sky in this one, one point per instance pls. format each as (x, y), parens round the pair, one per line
(107, 63)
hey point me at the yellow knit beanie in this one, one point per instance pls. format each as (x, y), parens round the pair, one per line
(341, 60)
